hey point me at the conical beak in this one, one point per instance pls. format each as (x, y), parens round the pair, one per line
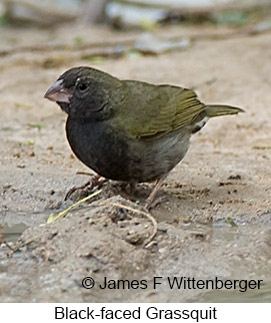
(58, 93)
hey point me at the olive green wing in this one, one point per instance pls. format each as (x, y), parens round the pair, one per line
(160, 110)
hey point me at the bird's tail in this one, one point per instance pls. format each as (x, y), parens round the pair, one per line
(221, 110)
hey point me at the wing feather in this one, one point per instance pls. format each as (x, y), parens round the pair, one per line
(160, 110)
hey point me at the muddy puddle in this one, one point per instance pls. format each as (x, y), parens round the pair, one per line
(258, 296)
(11, 234)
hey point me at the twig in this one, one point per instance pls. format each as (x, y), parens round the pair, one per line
(147, 215)
(21, 245)
(110, 48)
(66, 47)
(53, 218)
(9, 247)
(84, 173)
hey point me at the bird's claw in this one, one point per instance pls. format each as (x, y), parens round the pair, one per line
(153, 204)
(94, 181)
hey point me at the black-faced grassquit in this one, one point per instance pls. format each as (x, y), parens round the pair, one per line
(129, 130)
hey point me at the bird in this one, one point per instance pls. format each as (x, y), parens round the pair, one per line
(129, 130)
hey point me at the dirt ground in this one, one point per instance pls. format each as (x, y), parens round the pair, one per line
(214, 220)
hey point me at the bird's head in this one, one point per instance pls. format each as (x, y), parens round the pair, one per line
(83, 93)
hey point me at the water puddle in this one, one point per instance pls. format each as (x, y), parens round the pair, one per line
(12, 233)
(13, 224)
(263, 295)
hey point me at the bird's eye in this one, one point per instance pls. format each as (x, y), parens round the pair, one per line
(82, 86)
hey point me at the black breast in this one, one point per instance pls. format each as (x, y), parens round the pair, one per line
(98, 146)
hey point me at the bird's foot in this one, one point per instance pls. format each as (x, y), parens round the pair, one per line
(153, 204)
(149, 201)
(95, 181)
(147, 204)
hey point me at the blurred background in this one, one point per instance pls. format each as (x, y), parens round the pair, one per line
(125, 14)
(144, 18)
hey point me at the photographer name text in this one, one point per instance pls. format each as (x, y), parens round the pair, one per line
(179, 283)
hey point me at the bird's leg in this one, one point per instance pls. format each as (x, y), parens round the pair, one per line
(156, 188)
(95, 180)
(132, 187)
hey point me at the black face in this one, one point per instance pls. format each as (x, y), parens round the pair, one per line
(83, 93)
